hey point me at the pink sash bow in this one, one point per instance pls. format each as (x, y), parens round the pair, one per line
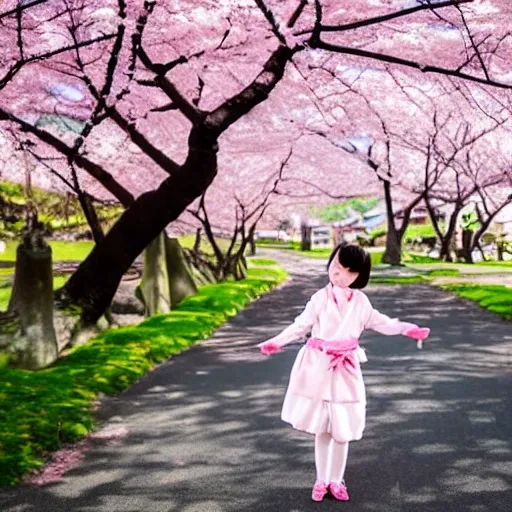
(340, 352)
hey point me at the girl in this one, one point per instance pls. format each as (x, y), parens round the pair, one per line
(326, 393)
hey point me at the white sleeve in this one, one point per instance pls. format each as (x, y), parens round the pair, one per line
(303, 323)
(379, 322)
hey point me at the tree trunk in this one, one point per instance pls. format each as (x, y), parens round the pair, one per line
(446, 245)
(181, 282)
(91, 216)
(252, 244)
(305, 238)
(393, 252)
(500, 246)
(154, 286)
(467, 245)
(95, 282)
(202, 270)
(448, 239)
(34, 346)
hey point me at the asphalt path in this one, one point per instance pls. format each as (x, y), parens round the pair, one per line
(202, 432)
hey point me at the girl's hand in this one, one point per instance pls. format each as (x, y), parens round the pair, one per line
(269, 347)
(418, 333)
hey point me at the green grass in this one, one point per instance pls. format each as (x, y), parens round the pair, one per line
(443, 272)
(417, 258)
(279, 243)
(78, 251)
(506, 264)
(40, 411)
(495, 298)
(61, 251)
(413, 231)
(415, 279)
(419, 230)
(397, 280)
(260, 261)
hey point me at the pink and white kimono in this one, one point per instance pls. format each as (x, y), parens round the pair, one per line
(326, 391)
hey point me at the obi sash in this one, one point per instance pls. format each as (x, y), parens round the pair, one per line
(341, 353)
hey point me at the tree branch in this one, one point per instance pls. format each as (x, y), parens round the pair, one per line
(272, 20)
(386, 17)
(15, 68)
(160, 158)
(408, 63)
(236, 107)
(20, 8)
(95, 170)
(193, 114)
(296, 14)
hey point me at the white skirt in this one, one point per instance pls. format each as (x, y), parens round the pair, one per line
(319, 399)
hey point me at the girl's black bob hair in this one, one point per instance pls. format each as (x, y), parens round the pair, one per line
(356, 259)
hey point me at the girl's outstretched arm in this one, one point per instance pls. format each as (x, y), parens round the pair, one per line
(379, 322)
(300, 327)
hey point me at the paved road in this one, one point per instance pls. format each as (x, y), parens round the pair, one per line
(204, 434)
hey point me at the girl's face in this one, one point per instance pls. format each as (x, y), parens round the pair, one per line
(339, 275)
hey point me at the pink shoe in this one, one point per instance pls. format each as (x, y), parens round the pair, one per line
(339, 491)
(319, 491)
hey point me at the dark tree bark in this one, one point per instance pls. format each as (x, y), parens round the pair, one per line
(252, 244)
(393, 252)
(91, 216)
(305, 239)
(95, 282)
(467, 245)
(446, 239)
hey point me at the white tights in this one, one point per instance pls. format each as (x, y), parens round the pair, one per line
(330, 459)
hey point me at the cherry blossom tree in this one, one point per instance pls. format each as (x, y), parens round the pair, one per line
(202, 75)
(468, 167)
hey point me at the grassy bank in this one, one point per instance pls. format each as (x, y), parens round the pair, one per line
(40, 411)
(495, 298)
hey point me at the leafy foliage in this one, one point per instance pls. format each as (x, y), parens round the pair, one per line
(336, 212)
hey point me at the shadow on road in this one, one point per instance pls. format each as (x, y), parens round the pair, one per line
(204, 432)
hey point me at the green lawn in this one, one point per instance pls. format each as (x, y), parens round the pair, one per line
(495, 298)
(506, 264)
(78, 251)
(420, 230)
(397, 280)
(424, 277)
(40, 411)
(61, 251)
